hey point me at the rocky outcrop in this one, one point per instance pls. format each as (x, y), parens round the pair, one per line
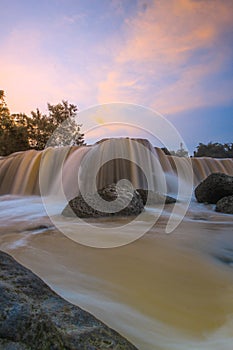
(129, 203)
(225, 205)
(152, 198)
(33, 317)
(214, 187)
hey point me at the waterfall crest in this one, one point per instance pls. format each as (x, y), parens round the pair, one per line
(19, 172)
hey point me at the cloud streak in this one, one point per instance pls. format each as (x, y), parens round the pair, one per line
(171, 55)
(171, 50)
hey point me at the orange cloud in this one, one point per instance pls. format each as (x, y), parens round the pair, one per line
(161, 57)
(175, 27)
(112, 90)
(162, 54)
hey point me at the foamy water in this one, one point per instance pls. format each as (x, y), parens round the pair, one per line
(162, 292)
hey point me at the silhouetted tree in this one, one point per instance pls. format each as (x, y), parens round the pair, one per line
(5, 122)
(58, 128)
(14, 129)
(229, 149)
(214, 150)
(18, 133)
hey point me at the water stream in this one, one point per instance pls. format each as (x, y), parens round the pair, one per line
(163, 291)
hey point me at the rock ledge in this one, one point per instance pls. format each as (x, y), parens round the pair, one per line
(33, 317)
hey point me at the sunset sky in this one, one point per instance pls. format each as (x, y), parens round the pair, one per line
(175, 56)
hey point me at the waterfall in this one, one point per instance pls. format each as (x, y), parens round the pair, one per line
(23, 173)
(180, 284)
(202, 167)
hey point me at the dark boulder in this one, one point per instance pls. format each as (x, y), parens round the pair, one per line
(150, 197)
(225, 205)
(33, 317)
(214, 187)
(127, 202)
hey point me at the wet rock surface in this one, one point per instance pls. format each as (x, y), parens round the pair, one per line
(122, 200)
(225, 205)
(214, 187)
(33, 317)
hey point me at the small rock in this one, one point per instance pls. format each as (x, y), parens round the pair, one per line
(225, 205)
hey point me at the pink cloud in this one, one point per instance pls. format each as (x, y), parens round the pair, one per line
(31, 77)
(159, 47)
(150, 60)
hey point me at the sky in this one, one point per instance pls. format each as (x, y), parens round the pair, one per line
(172, 56)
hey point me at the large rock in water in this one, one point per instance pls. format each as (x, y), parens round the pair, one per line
(132, 203)
(214, 187)
(33, 317)
(225, 205)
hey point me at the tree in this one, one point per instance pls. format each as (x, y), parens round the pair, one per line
(5, 125)
(229, 149)
(18, 132)
(13, 132)
(39, 130)
(57, 129)
(214, 150)
(67, 131)
(4, 115)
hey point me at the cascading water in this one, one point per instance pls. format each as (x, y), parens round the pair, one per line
(19, 173)
(163, 292)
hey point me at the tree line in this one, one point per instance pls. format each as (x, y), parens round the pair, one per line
(211, 149)
(215, 150)
(20, 132)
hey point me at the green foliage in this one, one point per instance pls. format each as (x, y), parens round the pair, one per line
(17, 138)
(18, 132)
(214, 150)
(67, 133)
(11, 130)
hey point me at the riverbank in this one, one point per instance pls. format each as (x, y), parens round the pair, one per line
(33, 316)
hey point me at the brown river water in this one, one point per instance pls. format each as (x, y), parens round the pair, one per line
(162, 291)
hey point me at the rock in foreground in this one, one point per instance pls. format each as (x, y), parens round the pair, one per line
(214, 187)
(225, 205)
(89, 207)
(33, 317)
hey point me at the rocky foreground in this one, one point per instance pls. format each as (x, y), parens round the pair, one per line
(32, 316)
